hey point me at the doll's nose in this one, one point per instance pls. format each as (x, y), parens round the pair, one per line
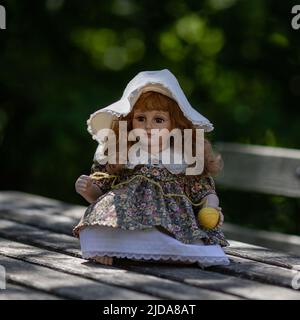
(148, 125)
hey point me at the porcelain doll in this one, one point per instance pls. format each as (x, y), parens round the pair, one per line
(151, 210)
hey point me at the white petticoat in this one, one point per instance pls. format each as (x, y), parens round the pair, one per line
(146, 244)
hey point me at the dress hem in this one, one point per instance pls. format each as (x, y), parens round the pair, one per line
(203, 261)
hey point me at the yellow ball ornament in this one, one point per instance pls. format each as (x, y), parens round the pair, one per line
(208, 217)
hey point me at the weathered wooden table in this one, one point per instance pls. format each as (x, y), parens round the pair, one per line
(42, 261)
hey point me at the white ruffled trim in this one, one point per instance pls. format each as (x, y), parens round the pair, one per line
(203, 261)
(89, 121)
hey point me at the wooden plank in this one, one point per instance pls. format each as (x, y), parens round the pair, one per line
(246, 269)
(261, 254)
(202, 278)
(40, 237)
(248, 289)
(16, 292)
(39, 211)
(41, 219)
(17, 200)
(60, 283)
(259, 168)
(258, 271)
(273, 240)
(145, 284)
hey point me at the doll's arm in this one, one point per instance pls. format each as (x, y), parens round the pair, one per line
(91, 189)
(203, 188)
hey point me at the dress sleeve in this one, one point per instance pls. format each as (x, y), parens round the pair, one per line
(199, 187)
(104, 184)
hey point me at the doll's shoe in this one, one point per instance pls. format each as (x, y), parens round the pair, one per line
(108, 261)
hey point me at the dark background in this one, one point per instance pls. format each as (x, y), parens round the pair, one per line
(60, 60)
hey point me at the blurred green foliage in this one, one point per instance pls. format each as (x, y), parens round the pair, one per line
(60, 60)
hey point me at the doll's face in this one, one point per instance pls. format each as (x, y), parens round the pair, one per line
(148, 120)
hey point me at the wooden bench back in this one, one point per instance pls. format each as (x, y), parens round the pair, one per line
(261, 169)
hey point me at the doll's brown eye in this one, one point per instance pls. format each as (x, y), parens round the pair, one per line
(140, 118)
(159, 120)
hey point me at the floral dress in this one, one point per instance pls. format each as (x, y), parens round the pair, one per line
(152, 201)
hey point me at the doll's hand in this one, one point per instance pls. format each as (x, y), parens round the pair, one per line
(87, 189)
(83, 184)
(221, 219)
